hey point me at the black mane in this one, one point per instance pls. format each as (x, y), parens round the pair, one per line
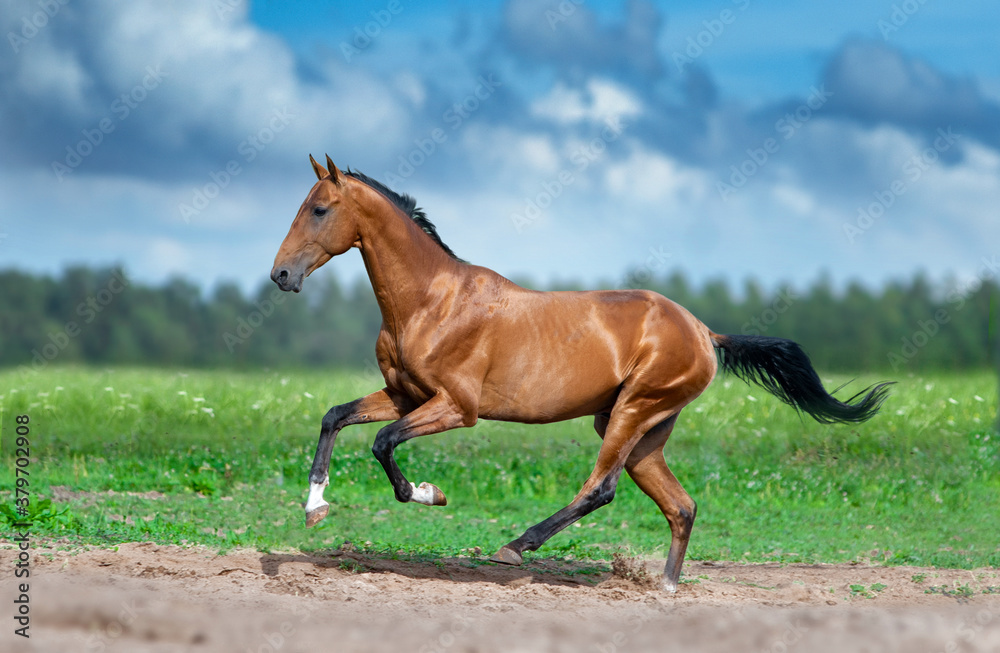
(408, 205)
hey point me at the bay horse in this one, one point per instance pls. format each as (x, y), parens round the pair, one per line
(459, 343)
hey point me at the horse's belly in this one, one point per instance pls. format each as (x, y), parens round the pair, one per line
(550, 391)
(543, 412)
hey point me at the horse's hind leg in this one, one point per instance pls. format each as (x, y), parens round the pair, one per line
(649, 470)
(626, 427)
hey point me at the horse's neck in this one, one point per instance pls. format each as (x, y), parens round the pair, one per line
(402, 263)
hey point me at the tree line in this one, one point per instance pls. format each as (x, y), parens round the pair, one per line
(99, 316)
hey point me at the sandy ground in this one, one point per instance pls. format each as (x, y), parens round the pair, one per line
(147, 598)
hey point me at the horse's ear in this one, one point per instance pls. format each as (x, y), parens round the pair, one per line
(317, 168)
(335, 174)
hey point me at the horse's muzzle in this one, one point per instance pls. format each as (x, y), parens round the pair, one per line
(286, 280)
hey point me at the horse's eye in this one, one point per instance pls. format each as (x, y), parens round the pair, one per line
(319, 211)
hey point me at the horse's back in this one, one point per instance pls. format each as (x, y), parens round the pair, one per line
(556, 355)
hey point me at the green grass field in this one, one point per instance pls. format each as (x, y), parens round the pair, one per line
(229, 453)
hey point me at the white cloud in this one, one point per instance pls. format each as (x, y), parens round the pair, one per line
(412, 88)
(965, 193)
(651, 177)
(507, 153)
(562, 104)
(794, 198)
(222, 79)
(599, 100)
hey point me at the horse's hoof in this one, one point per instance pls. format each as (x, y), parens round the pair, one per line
(507, 556)
(437, 496)
(316, 515)
(428, 494)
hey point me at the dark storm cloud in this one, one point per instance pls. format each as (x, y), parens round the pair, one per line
(874, 83)
(221, 80)
(570, 36)
(84, 93)
(569, 40)
(170, 91)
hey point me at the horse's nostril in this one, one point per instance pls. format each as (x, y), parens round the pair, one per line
(280, 277)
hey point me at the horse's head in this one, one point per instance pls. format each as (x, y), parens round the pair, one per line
(324, 227)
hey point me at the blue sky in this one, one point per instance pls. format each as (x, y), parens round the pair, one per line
(728, 139)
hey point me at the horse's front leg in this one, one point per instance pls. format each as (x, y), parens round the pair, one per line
(441, 413)
(376, 407)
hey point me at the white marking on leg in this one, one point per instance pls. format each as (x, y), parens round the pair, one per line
(315, 499)
(423, 494)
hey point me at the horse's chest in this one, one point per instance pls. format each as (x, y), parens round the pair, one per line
(400, 366)
(413, 388)
(401, 381)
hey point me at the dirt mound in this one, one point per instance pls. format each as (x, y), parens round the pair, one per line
(144, 598)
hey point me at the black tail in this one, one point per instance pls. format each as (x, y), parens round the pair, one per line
(783, 369)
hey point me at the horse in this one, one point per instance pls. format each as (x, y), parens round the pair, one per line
(459, 343)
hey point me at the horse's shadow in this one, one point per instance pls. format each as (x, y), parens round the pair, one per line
(565, 573)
